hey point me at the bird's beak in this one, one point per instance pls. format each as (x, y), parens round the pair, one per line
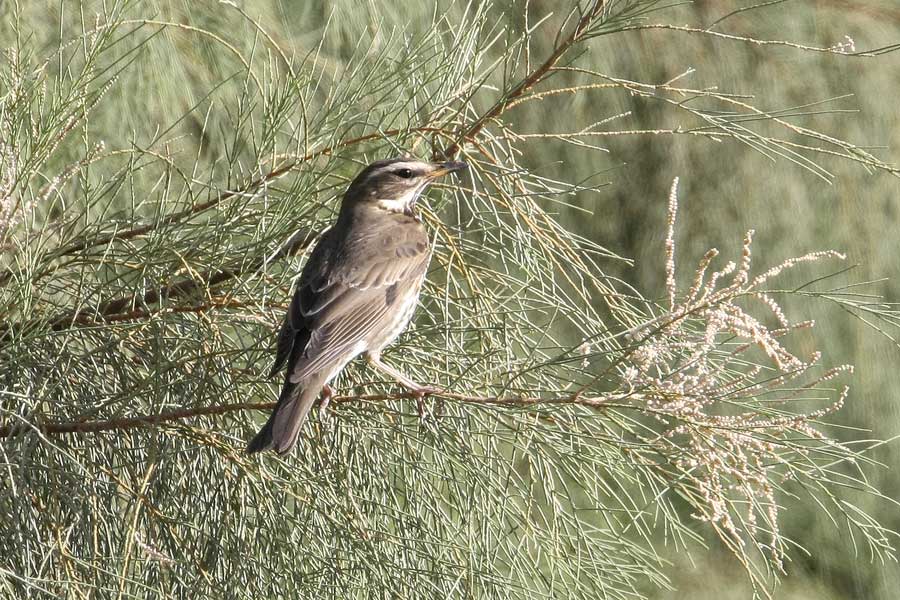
(442, 169)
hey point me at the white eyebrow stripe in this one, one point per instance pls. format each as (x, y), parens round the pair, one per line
(413, 165)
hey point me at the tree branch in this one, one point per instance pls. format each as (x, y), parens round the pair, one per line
(538, 75)
(215, 199)
(116, 310)
(150, 421)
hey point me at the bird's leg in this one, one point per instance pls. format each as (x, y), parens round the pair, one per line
(397, 375)
(327, 393)
(419, 390)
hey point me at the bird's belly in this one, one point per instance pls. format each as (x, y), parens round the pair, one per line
(397, 320)
(354, 351)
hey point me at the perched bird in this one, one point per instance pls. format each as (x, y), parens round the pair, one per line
(357, 292)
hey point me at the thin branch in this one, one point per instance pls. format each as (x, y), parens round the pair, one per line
(761, 42)
(116, 310)
(538, 75)
(217, 199)
(144, 314)
(220, 197)
(142, 421)
(177, 216)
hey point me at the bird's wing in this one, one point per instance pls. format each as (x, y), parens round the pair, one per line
(293, 329)
(346, 295)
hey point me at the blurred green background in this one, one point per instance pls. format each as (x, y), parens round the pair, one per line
(726, 188)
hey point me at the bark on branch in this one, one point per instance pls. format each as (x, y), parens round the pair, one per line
(119, 308)
(539, 74)
(151, 421)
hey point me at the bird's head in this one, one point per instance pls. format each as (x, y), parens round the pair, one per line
(394, 185)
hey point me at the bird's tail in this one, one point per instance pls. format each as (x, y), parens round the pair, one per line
(280, 431)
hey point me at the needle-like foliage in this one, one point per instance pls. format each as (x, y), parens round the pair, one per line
(146, 260)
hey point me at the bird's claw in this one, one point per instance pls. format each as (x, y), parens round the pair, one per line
(327, 393)
(420, 393)
(426, 390)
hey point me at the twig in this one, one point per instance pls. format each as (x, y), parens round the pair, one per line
(178, 216)
(205, 411)
(138, 314)
(759, 42)
(115, 310)
(218, 198)
(532, 79)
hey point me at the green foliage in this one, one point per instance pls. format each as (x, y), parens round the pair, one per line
(162, 170)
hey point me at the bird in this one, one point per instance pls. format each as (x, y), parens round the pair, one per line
(356, 293)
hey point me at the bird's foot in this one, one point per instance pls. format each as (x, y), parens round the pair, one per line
(419, 392)
(327, 393)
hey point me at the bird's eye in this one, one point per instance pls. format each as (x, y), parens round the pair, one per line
(404, 173)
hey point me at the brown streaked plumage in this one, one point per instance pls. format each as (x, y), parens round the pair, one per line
(357, 291)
